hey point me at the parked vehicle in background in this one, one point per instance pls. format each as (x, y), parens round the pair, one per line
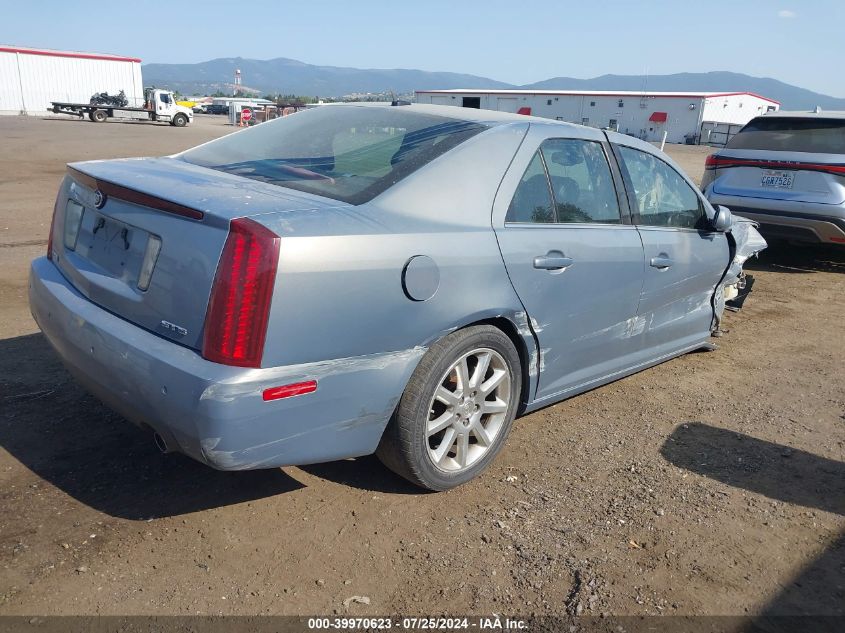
(365, 278)
(104, 98)
(785, 170)
(159, 105)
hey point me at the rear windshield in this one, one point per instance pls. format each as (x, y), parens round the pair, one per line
(349, 153)
(784, 134)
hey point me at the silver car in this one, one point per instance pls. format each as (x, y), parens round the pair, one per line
(396, 279)
(786, 170)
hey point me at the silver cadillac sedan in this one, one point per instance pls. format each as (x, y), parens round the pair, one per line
(387, 278)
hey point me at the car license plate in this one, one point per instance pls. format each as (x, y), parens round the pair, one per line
(777, 179)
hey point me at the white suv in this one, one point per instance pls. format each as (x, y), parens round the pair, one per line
(785, 170)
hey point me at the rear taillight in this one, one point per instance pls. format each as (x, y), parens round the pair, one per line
(714, 161)
(52, 226)
(239, 307)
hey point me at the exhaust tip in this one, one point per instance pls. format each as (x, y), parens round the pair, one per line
(160, 443)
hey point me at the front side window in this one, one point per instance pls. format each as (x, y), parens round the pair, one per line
(663, 197)
(349, 153)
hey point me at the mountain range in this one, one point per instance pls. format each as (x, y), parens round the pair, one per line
(289, 76)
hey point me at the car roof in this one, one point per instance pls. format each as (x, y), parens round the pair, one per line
(488, 118)
(806, 114)
(477, 115)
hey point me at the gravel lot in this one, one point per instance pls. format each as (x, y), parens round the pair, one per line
(711, 484)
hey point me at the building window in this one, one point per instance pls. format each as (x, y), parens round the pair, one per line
(621, 103)
(548, 102)
(585, 120)
(592, 103)
(612, 124)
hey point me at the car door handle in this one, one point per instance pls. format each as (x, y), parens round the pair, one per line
(552, 261)
(662, 262)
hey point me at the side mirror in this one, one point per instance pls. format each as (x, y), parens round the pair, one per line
(722, 220)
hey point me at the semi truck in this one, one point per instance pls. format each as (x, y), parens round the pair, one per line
(159, 105)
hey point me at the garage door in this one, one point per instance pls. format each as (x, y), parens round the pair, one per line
(507, 104)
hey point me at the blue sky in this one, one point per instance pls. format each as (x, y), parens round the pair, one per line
(518, 41)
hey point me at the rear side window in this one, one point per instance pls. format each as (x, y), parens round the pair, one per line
(663, 197)
(568, 181)
(581, 181)
(348, 153)
(787, 134)
(532, 200)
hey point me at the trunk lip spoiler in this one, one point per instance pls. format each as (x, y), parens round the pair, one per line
(133, 196)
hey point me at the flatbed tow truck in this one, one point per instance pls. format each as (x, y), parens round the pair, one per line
(159, 105)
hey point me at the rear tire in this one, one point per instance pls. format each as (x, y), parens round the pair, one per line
(180, 120)
(99, 116)
(456, 411)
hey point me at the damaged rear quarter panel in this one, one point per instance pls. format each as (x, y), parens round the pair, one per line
(339, 286)
(340, 313)
(345, 417)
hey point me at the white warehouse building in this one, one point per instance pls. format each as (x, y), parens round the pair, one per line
(31, 78)
(706, 117)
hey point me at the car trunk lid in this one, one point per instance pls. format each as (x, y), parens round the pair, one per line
(161, 221)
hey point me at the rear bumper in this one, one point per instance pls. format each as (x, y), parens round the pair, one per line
(803, 225)
(214, 413)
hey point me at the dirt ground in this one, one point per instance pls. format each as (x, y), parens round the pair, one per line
(711, 484)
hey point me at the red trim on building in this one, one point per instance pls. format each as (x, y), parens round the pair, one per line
(49, 53)
(658, 117)
(736, 94)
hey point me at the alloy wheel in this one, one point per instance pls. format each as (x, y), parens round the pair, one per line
(468, 410)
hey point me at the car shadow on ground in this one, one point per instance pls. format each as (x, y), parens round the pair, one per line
(783, 474)
(74, 442)
(365, 473)
(782, 257)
